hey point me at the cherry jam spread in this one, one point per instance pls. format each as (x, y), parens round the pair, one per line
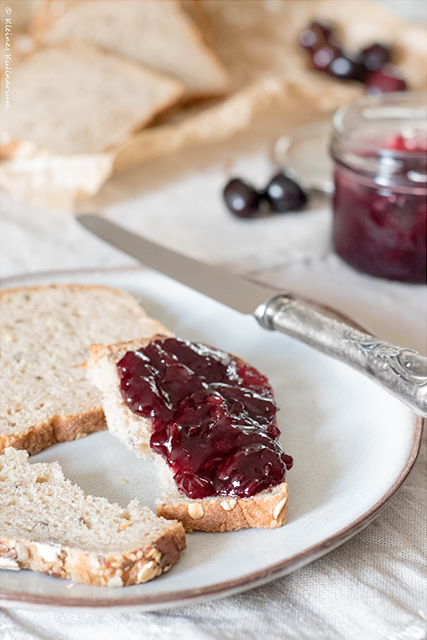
(213, 415)
(383, 230)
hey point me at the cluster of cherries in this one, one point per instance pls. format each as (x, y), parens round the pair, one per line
(371, 65)
(282, 194)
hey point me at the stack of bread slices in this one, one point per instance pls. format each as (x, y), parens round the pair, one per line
(103, 70)
(51, 338)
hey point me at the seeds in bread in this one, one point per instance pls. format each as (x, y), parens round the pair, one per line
(266, 509)
(157, 34)
(45, 335)
(50, 525)
(82, 100)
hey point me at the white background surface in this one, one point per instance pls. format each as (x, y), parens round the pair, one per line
(373, 587)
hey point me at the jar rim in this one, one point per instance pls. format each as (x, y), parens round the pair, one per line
(393, 105)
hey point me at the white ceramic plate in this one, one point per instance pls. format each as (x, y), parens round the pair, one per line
(353, 446)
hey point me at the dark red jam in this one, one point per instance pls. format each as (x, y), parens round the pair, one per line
(382, 229)
(379, 148)
(214, 417)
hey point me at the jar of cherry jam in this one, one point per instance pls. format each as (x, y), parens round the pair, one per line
(379, 148)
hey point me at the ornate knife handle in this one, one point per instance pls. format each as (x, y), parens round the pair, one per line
(403, 372)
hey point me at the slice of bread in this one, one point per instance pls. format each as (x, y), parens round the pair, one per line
(45, 336)
(82, 100)
(266, 509)
(48, 524)
(160, 35)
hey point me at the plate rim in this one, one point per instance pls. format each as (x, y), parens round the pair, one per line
(219, 589)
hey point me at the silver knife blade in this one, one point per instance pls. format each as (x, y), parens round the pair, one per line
(216, 283)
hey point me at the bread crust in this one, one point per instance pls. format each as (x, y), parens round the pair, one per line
(74, 287)
(108, 570)
(267, 511)
(118, 349)
(63, 428)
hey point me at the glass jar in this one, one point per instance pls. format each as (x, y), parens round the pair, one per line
(379, 148)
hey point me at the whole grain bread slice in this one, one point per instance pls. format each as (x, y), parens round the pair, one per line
(266, 509)
(45, 335)
(50, 525)
(157, 34)
(83, 100)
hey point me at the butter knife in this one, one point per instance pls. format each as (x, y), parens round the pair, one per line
(401, 371)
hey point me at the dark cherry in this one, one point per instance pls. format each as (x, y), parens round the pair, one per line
(241, 198)
(370, 66)
(323, 57)
(385, 79)
(213, 415)
(375, 56)
(284, 194)
(316, 35)
(345, 68)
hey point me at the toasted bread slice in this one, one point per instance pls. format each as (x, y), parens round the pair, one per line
(83, 100)
(266, 509)
(48, 524)
(45, 336)
(160, 35)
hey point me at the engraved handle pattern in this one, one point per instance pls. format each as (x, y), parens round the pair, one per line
(406, 363)
(401, 371)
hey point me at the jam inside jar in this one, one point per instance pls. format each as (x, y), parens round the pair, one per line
(379, 147)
